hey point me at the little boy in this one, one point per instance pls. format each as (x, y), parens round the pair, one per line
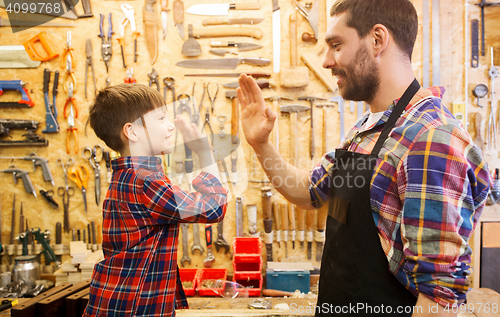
(142, 209)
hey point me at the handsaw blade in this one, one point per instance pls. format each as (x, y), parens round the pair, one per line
(15, 56)
(220, 63)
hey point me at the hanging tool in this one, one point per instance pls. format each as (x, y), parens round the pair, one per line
(94, 157)
(73, 113)
(284, 225)
(319, 235)
(291, 219)
(311, 102)
(474, 35)
(169, 84)
(128, 10)
(268, 221)
(68, 52)
(42, 39)
(69, 74)
(235, 116)
(130, 76)
(492, 124)
(107, 159)
(221, 8)
(24, 176)
(276, 20)
(228, 32)
(178, 7)
(222, 52)
(150, 29)
(31, 138)
(51, 124)
(183, 100)
(37, 161)
(66, 191)
(196, 240)
(484, 4)
(207, 123)
(262, 83)
(207, 262)
(242, 47)
(294, 76)
(219, 21)
(239, 217)
(212, 99)
(234, 174)
(13, 221)
(277, 222)
(106, 47)
(183, 106)
(80, 175)
(196, 114)
(221, 242)
(310, 231)
(89, 62)
(191, 47)
(185, 253)
(325, 137)
(222, 63)
(15, 56)
(222, 121)
(21, 219)
(87, 9)
(312, 16)
(254, 75)
(47, 195)
(479, 92)
(17, 85)
(294, 110)
(153, 79)
(164, 17)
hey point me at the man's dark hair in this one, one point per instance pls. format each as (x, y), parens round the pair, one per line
(398, 16)
(117, 105)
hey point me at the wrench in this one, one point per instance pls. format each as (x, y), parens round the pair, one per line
(185, 253)
(221, 242)
(196, 239)
(207, 262)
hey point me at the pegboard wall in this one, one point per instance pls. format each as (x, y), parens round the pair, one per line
(455, 72)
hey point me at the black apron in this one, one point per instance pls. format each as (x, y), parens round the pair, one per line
(354, 272)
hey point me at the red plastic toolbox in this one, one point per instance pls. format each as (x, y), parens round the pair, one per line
(247, 249)
(208, 274)
(247, 267)
(253, 286)
(189, 275)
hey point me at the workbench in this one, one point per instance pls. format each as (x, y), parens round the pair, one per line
(221, 307)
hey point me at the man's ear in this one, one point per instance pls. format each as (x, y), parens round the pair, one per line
(380, 38)
(129, 133)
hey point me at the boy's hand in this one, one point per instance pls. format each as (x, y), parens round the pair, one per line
(193, 138)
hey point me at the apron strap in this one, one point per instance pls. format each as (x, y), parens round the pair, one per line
(396, 113)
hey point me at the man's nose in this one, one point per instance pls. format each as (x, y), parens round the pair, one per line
(328, 60)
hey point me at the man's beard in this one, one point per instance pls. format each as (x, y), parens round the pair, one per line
(361, 80)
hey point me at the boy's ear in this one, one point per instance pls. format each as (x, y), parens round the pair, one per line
(128, 131)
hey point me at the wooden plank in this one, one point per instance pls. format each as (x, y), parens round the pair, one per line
(27, 308)
(74, 305)
(55, 305)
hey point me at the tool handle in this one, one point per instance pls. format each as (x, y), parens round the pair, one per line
(164, 5)
(291, 216)
(276, 212)
(178, 6)
(110, 28)
(310, 220)
(215, 21)
(246, 6)
(33, 53)
(94, 241)
(322, 216)
(275, 293)
(87, 9)
(284, 216)
(293, 40)
(301, 219)
(58, 233)
(228, 31)
(47, 174)
(266, 203)
(208, 235)
(54, 89)
(312, 144)
(235, 120)
(46, 80)
(308, 37)
(234, 161)
(101, 23)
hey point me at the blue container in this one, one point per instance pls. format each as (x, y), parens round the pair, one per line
(288, 281)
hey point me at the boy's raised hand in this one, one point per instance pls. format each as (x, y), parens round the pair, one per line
(193, 138)
(257, 119)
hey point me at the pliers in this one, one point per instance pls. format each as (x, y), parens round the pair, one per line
(69, 73)
(106, 48)
(128, 10)
(89, 62)
(212, 100)
(130, 76)
(71, 130)
(153, 78)
(71, 102)
(68, 51)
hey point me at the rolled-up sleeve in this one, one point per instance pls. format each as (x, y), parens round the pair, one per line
(319, 180)
(444, 183)
(168, 203)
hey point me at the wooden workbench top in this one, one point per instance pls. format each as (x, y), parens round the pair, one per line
(478, 298)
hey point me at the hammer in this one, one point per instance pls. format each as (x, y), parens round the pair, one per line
(311, 101)
(293, 110)
(235, 116)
